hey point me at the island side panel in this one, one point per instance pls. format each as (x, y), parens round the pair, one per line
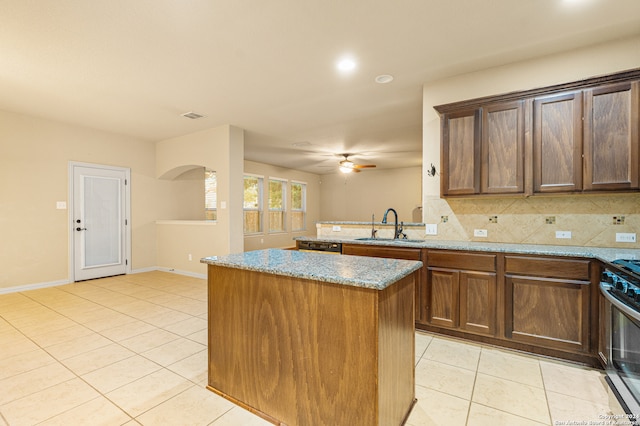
(397, 351)
(302, 352)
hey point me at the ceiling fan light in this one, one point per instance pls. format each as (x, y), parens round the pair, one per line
(345, 169)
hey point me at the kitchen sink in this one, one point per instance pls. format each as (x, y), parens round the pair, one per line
(389, 240)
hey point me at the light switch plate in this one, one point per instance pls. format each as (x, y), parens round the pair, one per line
(431, 229)
(61, 205)
(563, 234)
(479, 232)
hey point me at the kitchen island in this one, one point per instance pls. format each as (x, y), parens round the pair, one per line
(312, 339)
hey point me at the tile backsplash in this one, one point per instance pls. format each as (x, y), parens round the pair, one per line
(581, 220)
(590, 220)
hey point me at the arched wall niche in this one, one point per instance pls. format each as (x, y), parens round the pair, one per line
(180, 171)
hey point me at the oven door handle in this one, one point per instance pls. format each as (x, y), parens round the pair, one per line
(618, 304)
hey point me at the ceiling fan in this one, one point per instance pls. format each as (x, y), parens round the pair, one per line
(348, 166)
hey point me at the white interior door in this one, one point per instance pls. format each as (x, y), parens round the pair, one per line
(99, 228)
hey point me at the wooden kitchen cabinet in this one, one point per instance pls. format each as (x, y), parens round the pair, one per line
(546, 305)
(557, 143)
(462, 291)
(482, 150)
(502, 167)
(460, 174)
(388, 252)
(574, 137)
(547, 302)
(611, 137)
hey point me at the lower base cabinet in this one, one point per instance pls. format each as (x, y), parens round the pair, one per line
(461, 298)
(548, 302)
(541, 304)
(547, 305)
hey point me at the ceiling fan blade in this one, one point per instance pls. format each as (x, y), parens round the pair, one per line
(363, 166)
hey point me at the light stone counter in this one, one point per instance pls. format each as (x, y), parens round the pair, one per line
(604, 254)
(355, 271)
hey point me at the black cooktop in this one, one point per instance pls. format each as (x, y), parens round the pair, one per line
(622, 280)
(631, 265)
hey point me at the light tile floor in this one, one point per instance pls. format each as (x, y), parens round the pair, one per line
(131, 350)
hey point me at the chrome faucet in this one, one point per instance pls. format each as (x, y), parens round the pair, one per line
(397, 229)
(374, 231)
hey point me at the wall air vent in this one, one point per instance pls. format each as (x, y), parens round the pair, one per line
(192, 115)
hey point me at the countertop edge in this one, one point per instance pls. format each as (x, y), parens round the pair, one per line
(605, 254)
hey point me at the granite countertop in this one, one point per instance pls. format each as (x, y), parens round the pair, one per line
(357, 271)
(601, 253)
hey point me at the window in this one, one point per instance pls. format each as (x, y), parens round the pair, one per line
(252, 204)
(298, 206)
(277, 205)
(210, 195)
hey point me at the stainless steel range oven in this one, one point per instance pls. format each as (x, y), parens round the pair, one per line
(620, 285)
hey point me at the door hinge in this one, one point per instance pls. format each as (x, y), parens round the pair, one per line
(126, 222)
(126, 261)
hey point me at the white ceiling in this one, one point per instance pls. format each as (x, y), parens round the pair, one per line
(268, 66)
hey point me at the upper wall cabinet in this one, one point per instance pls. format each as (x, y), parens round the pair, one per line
(502, 148)
(461, 152)
(557, 143)
(611, 131)
(483, 149)
(570, 138)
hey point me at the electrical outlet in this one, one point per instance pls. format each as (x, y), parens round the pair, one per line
(563, 234)
(625, 237)
(336, 228)
(190, 257)
(479, 232)
(431, 229)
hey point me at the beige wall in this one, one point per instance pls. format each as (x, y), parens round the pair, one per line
(590, 218)
(34, 159)
(356, 196)
(285, 239)
(181, 245)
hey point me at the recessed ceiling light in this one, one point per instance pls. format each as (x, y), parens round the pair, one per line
(346, 65)
(192, 115)
(384, 79)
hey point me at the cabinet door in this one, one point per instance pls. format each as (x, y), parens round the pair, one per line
(548, 312)
(444, 297)
(460, 170)
(611, 132)
(557, 143)
(502, 170)
(478, 302)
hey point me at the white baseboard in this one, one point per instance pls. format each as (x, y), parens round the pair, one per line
(142, 270)
(34, 286)
(180, 272)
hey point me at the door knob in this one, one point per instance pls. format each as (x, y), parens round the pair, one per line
(81, 229)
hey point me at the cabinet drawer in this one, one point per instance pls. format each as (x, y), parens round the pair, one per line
(547, 267)
(462, 261)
